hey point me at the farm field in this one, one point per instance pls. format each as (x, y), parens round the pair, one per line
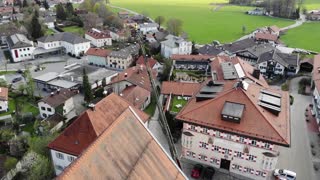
(201, 20)
(312, 4)
(304, 36)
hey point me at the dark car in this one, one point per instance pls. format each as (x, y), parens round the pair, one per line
(19, 71)
(196, 171)
(208, 173)
(16, 79)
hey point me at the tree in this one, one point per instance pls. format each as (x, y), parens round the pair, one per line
(104, 82)
(29, 84)
(69, 10)
(46, 5)
(174, 26)
(10, 163)
(88, 97)
(3, 83)
(39, 144)
(36, 29)
(87, 5)
(166, 70)
(91, 20)
(159, 20)
(41, 169)
(24, 3)
(244, 29)
(61, 14)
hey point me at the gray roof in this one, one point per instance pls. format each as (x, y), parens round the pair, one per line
(18, 41)
(209, 50)
(282, 58)
(239, 45)
(229, 71)
(47, 77)
(172, 41)
(62, 83)
(259, 49)
(126, 52)
(233, 109)
(65, 36)
(161, 35)
(146, 25)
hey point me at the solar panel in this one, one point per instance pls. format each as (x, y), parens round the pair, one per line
(229, 72)
(271, 93)
(239, 70)
(266, 98)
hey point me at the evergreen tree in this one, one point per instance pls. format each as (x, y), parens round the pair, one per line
(46, 5)
(69, 9)
(61, 14)
(36, 30)
(24, 3)
(88, 97)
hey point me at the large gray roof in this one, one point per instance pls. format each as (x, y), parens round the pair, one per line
(209, 50)
(258, 50)
(282, 58)
(125, 52)
(18, 41)
(65, 36)
(172, 41)
(239, 45)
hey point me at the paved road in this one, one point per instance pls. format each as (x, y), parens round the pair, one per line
(298, 157)
(298, 23)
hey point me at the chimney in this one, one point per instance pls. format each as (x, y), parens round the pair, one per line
(256, 73)
(72, 78)
(92, 106)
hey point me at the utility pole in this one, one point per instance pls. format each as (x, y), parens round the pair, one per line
(163, 120)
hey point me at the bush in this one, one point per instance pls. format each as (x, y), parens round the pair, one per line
(285, 87)
(10, 163)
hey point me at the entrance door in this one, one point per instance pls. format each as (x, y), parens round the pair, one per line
(225, 164)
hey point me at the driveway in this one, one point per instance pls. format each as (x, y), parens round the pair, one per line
(298, 157)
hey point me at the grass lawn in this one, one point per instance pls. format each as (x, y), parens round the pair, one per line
(152, 107)
(74, 29)
(49, 31)
(26, 106)
(7, 72)
(200, 22)
(176, 101)
(306, 36)
(312, 4)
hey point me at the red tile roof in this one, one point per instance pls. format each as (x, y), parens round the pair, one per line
(150, 61)
(275, 28)
(97, 34)
(136, 75)
(256, 122)
(179, 88)
(3, 94)
(98, 52)
(89, 125)
(126, 150)
(57, 98)
(266, 36)
(316, 71)
(136, 95)
(191, 57)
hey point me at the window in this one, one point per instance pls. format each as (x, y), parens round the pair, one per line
(238, 154)
(44, 115)
(43, 108)
(0, 107)
(59, 155)
(71, 158)
(193, 128)
(251, 157)
(28, 49)
(49, 109)
(215, 148)
(228, 136)
(254, 142)
(241, 139)
(205, 131)
(217, 133)
(24, 49)
(203, 157)
(58, 167)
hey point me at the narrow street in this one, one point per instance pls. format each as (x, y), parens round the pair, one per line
(298, 157)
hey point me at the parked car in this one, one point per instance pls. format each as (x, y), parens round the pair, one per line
(208, 173)
(16, 79)
(284, 174)
(196, 171)
(19, 71)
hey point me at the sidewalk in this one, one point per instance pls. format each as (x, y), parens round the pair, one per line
(314, 138)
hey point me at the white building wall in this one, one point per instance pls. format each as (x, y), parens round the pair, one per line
(184, 48)
(279, 69)
(45, 110)
(221, 145)
(114, 36)
(3, 106)
(22, 54)
(61, 160)
(263, 67)
(68, 106)
(122, 63)
(145, 30)
(120, 86)
(99, 42)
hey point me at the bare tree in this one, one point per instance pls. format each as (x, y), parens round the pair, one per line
(174, 26)
(91, 20)
(160, 20)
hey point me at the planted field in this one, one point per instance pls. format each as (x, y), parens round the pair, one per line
(305, 36)
(204, 20)
(312, 4)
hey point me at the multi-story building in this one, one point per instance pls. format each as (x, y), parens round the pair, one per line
(76, 138)
(98, 38)
(123, 58)
(175, 45)
(316, 91)
(71, 43)
(148, 27)
(98, 56)
(21, 48)
(3, 99)
(236, 126)
(59, 102)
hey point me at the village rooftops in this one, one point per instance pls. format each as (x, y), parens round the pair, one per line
(64, 36)
(126, 52)
(57, 98)
(209, 50)
(97, 34)
(3, 94)
(18, 41)
(92, 123)
(125, 150)
(258, 119)
(266, 36)
(282, 58)
(136, 95)
(98, 52)
(148, 25)
(178, 57)
(151, 62)
(173, 41)
(239, 45)
(179, 88)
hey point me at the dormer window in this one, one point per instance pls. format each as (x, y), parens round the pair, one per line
(232, 112)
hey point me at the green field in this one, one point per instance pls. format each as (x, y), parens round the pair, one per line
(312, 4)
(200, 22)
(306, 36)
(74, 29)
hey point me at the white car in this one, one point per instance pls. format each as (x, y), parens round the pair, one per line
(284, 174)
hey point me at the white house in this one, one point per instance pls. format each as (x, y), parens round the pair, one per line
(98, 38)
(123, 58)
(316, 91)
(148, 27)
(3, 99)
(21, 48)
(71, 43)
(238, 129)
(175, 45)
(49, 21)
(60, 102)
(86, 129)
